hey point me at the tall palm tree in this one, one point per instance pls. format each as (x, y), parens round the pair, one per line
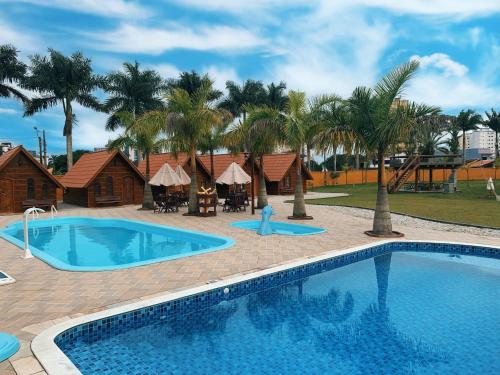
(466, 121)
(134, 91)
(380, 120)
(261, 138)
(250, 93)
(187, 120)
(210, 143)
(144, 133)
(64, 80)
(493, 122)
(276, 95)
(191, 82)
(11, 71)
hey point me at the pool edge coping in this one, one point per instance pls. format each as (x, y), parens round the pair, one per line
(55, 362)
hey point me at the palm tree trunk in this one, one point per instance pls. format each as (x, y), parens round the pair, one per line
(68, 133)
(262, 194)
(382, 269)
(382, 224)
(139, 155)
(334, 159)
(299, 204)
(308, 148)
(147, 202)
(212, 173)
(193, 189)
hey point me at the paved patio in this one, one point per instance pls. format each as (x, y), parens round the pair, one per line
(42, 293)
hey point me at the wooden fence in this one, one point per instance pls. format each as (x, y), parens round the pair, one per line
(356, 177)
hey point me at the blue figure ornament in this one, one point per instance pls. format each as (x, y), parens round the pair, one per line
(265, 225)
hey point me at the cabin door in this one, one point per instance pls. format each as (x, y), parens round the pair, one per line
(128, 190)
(6, 201)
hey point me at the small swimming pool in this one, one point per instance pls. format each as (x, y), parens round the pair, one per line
(280, 227)
(393, 308)
(90, 244)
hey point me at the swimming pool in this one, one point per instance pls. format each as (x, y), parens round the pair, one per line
(279, 227)
(90, 244)
(397, 307)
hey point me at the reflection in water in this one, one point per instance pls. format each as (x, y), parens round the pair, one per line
(72, 254)
(119, 251)
(372, 343)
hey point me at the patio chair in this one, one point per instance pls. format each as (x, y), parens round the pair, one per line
(171, 203)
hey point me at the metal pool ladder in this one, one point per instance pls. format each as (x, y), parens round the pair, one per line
(34, 211)
(53, 211)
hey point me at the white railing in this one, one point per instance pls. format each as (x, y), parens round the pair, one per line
(34, 211)
(53, 211)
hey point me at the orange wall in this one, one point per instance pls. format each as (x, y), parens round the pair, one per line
(360, 176)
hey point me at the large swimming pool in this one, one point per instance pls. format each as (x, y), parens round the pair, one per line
(396, 308)
(90, 244)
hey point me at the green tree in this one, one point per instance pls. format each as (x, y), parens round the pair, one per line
(251, 93)
(62, 80)
(381, 120)
(58, 163)
(191, 82)
(187, 120)
(133, 91)
(11, 71)
(493, 122)
(213, 140)
(144, 133)
(275, 96)
(466, 121)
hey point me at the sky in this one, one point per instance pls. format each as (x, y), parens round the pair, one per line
(318, 46)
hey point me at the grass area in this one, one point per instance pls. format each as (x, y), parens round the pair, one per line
(469, 206)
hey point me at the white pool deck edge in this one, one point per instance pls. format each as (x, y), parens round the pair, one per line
(55, 362)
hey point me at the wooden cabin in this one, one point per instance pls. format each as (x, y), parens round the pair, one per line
(157, 160)
(24, 182)
(103, 178)
(279, 171)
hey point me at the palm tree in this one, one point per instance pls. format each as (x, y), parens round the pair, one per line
(144, 133)
(466, 121)
(261, 137)
(493, 122)
(133, 91)
(191, 82)
(11, 70)
(250, 93)
(276, 96)
(211, 142)
(64, 80)
(187, 120)
(381, 120)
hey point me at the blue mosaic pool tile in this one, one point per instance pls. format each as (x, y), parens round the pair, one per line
(114, 325)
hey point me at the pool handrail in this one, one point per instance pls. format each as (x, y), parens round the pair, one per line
(33, 211)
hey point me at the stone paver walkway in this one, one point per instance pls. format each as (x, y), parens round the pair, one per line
(42, 293)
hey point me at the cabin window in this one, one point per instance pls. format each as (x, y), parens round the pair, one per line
(31, 188)
(45, 191)
(109, 185)
(287, 181)
(97, 189)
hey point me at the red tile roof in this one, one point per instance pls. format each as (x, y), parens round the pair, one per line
(6, 157)
(480, 163)
(157, 160)
(221, 162)
(88, 167)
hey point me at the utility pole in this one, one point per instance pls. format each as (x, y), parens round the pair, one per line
(39, 144)
(44, 149)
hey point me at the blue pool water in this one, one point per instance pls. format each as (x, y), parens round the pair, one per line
(88, 244)
(401, 312)
(279, 227)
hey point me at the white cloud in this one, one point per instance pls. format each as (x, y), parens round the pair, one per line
(166, 70)
(461, 9)
(90, 130)
(221, 75)
(8, 111)
(475, 35)
(137, 39)
(442, 62)
(21, 39)
(107, 8)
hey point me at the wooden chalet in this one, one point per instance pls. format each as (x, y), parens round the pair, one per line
(280, 174)
(24, 182)
(103, 178)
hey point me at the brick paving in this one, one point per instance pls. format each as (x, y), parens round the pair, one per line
(42, 293)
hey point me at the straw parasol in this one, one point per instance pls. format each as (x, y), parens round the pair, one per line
(183, 176)
(165, 176)
(234, 174)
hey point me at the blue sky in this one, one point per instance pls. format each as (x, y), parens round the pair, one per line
(319, 46)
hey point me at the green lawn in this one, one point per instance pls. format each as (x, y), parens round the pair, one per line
(469, 206)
